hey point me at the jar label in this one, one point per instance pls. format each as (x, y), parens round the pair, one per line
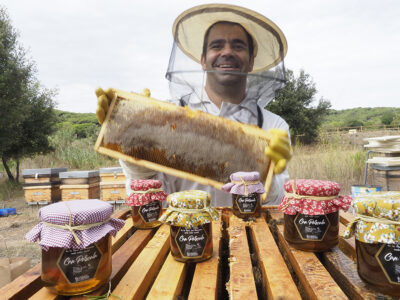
(388, 257)
(150, 212)
(311, 228)
(191, 241)
(247, 204)
(79, 265)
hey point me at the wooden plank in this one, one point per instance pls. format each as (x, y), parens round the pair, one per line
(121, 235)
(169, 282)
(205, 278)
(44, 294)
(24, 285)
(344, 271)
(121, 214)
(317, 282)
(278, 281)
(241, 283)
(348, 246)
(346, 217)
(140, 276)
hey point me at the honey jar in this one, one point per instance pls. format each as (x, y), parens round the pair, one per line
(75, 237)
(246, 189)
(190, 218)
(311, 214)
(376, 228)
(146, 199)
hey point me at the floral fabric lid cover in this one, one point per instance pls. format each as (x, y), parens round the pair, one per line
(313, 197)
(377, 218)
(145, 191)
(74, 224)
(244, 183)
(189, 209)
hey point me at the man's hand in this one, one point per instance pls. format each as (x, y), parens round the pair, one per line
(279, 149)
(104, 100)
(103, 103)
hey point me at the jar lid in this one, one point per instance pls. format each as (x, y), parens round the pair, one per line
(244, 183)
(74, 224)
(145, 191)
(313, 197)
(189, 209)
(377, 218)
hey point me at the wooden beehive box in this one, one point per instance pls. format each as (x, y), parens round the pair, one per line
(112, 184)
(78, 185)
(251, 260)
(42, 185)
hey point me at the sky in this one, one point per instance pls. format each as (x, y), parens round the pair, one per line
(350, 48)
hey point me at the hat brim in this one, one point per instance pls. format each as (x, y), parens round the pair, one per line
(190, 27)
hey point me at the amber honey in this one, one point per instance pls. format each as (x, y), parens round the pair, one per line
(75, 272)
(191, 244)
(325, 238)
(246, 207)
(371, 269)
(142, 221)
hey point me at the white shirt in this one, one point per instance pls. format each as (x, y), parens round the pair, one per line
(245, 112)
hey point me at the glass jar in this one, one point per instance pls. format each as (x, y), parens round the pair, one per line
(77, 271)
(245, 188)
(190, 218)
(377, 233)
(378, 265)
(312, 233)
(75, 258)
(146, 198)
(311, 214)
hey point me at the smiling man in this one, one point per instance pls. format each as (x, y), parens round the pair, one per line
(227, 61)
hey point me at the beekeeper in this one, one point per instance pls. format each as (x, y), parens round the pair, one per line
(227, 61)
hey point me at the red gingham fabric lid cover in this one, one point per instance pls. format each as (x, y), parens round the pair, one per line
(82, 212)
(145, 191)
(313, 197)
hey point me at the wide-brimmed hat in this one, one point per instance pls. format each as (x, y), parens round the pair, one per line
(189, 28)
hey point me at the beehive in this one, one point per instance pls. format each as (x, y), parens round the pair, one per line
(112, 184)
(78, 185)
(42, 185)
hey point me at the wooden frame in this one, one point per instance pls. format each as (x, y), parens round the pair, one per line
(248, 130)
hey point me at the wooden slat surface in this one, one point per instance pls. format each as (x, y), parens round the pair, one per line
(279, 283)
(139, 277)
(121, 235)
(317, 282)
(205, 278)
(169, 282)
(241, 273)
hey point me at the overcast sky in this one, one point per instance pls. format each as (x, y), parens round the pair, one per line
(350, 48)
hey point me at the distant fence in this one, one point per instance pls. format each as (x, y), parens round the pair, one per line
(363, 128)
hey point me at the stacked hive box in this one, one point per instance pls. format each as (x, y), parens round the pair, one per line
(112, 185)
(78, 185)
(42, 186)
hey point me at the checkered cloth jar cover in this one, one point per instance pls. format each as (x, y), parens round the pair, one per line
(145, 191)
(313, 197)
(74, 224)
(244, 183)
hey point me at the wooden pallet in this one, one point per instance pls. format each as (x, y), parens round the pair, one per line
(251, 261)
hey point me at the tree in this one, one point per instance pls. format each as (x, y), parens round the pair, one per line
(294, 104)
(26, 109)
(387, 118)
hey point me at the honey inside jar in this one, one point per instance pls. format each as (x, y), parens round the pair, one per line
(323, 236)
(146, 216)
(246, 207)
(73, 272)
(191, 244)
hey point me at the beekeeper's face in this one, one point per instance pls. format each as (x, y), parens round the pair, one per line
(226, 54)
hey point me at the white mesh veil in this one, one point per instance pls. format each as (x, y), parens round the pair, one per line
(185, 72)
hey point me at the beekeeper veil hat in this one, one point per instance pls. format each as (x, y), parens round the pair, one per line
(185, 73)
